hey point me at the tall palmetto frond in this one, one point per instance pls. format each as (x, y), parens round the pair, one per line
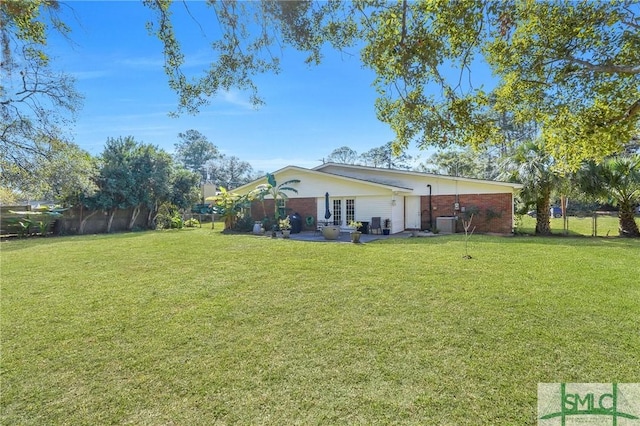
(280, 190)
(532, 166)
(616, 181)
(273, 190)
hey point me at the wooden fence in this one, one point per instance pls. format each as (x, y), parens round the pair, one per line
(70, 222)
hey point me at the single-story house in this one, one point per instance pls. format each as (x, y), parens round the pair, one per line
(410, 200)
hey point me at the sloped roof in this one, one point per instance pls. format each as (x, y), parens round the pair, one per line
(253, 184)
(324, 166)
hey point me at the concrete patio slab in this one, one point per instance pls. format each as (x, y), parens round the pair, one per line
(344, 237)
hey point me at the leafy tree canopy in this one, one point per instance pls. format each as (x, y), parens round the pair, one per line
(67, 176)
(37, 104)
(194, 150)
(29, 22)
(184, 188)
(571, 67)
(343, 155)
(386, 156)
(467, 163)
(132, 173)
(8, 196)
(230, 171)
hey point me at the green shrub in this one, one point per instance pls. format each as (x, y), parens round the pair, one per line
(176, 222)
(244, 224)
(266, 223)
(191, 223)
(21, 225)
(168, 217)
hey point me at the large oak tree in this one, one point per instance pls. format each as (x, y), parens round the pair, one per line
(37, 103)
(132, 175)
(572, 67)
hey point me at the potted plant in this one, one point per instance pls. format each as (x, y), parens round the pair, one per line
(355, 234)
(257, 228)
(331, 232)
(387, 227)
(285, 227)
(266, 224)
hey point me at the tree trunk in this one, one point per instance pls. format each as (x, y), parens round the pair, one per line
(229, 222)
(81, 212)
(111, 216)
(150, 216)
(628, 225)
(134, 216)
(543, 226)
(83, 222)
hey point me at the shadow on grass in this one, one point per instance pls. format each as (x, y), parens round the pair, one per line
(577, 240)
(11, 244)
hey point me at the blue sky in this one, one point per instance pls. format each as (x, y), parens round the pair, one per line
(309, 111)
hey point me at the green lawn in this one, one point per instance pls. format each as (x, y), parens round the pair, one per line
(605, 226)
(194, 327)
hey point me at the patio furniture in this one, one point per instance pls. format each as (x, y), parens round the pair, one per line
(376, 225)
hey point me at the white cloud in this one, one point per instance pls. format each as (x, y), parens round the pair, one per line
(235, 98)
(90, 75)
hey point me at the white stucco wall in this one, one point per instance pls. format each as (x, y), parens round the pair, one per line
(314, 184)
(397, 215)
(366, 207)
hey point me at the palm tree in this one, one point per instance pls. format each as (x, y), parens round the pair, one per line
(275, 191)
(532, 166)
(617, 181)
(228, 206)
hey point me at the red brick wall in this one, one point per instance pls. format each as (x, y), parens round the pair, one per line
(494, 211)
(303, 206)
(499, 204)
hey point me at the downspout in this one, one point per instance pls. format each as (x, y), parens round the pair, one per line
(430, 209)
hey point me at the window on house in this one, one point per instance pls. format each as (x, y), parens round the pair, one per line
(350, 213)
(337, 212)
